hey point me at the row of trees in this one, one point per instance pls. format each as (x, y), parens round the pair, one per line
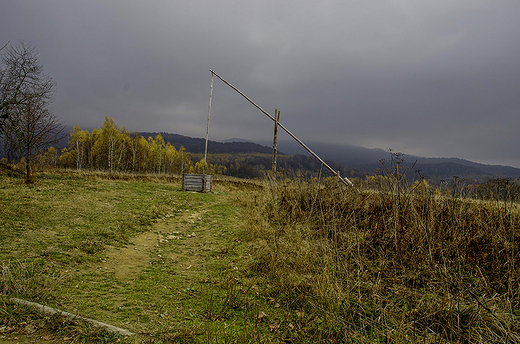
(113, 148)
(28, 128)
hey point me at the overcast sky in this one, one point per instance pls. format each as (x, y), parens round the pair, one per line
(430, 78)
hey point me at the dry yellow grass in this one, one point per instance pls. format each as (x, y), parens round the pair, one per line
(389, 266)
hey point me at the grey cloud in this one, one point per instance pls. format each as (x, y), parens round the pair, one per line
(430, 78)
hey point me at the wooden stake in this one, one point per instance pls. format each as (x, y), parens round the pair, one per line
(207, 126)
(275, 139)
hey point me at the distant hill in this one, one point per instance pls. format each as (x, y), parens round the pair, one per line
(488, 170)
(353, 157)
(234, 139)
(353, 161)
(197, 145)
(435, 169)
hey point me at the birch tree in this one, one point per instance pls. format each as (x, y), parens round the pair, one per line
(106, 148)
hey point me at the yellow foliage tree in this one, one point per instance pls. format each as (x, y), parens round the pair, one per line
(200, 168)
(113, 148)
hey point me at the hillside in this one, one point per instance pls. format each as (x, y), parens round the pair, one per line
(196, 145)
(353, 161)
(248, 159)
(435, 169)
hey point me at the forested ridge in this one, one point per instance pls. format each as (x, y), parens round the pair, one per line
(114, 148)
(196, 145)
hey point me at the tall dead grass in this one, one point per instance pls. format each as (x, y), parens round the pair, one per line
(395, 265)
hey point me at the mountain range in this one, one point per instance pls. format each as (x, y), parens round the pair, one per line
(355, 157)
(197, 145)
(355, 161)
(370, 160)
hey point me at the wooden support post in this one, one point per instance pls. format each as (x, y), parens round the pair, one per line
(275, 139)
(207, 126)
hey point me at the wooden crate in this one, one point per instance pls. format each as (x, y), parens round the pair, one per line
(197, 182)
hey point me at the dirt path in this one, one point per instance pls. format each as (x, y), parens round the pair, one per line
(176, 240)
(129, 261)
(165, 279)
(171, 276)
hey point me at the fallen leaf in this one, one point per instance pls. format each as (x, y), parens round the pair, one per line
(261, 315)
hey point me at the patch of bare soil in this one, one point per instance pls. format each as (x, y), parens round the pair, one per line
(127, 262)
(182, 231)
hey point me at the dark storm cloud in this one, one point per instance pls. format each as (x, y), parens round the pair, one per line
(429, 78)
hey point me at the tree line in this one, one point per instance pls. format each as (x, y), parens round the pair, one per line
(29, 130)
(113, 148)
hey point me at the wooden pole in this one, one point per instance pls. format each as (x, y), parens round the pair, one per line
(275, 139)
(207, 126)
(344, 180)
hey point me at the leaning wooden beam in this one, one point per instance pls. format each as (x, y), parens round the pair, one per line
(346, 181)
(50, 310)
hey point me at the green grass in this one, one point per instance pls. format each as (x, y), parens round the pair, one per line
(60, 215)
(64, 235)
(285, 261)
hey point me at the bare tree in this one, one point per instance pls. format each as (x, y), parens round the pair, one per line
(21, 75)
(28, 124)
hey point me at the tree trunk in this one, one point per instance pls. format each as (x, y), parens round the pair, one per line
(77, 154)
(28, 179)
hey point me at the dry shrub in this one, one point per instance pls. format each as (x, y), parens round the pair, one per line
(395, 265)
(10, 170)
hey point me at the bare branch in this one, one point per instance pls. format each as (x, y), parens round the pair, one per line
(28, 125)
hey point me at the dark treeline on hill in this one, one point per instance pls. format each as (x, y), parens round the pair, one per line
(197, 145)
(254, 165)
(114, 148)
(433, 169)
(250, 160)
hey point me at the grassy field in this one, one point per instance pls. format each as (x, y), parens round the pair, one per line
(256, 262)
(399, 265)
(138, 254)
